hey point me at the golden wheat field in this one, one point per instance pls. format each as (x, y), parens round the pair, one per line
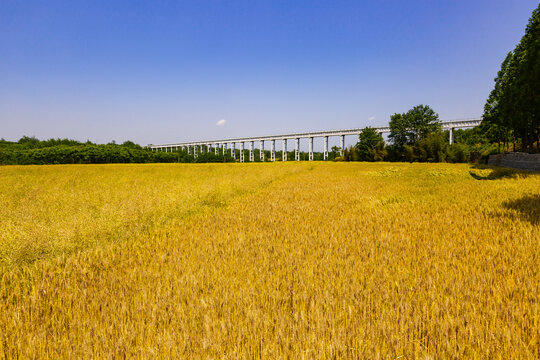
(285, 260)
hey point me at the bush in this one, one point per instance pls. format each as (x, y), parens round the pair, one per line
(433, 148)
(408, 153)
(459, 153)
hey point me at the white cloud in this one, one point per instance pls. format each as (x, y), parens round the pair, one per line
(221, 122)
(371, 118)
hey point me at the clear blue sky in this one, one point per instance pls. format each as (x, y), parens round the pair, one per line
(167, 71)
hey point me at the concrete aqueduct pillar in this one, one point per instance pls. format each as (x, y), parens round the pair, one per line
(325, 150)
(284, 145)
(251, 154)
(342, 144)
(242, 152)
(297, 149)
(261, 149)
(273, 150)
(311, 149)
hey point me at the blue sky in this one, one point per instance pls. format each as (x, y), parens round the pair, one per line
(167, 71)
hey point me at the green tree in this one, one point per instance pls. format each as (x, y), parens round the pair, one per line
(496, 122)
(369, 141)
(423, 121)
(513, 106)
(131, 145)
(399, 130)
(416, 124)
(28, 141)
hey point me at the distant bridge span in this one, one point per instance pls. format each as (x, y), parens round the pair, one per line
(198, 146)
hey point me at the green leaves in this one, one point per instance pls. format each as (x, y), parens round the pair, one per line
(399, 129)
(414, 125)
(370, 146)
(513, 106)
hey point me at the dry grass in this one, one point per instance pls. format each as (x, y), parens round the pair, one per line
(302, 260)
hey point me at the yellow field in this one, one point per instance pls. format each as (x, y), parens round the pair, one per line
(297, 260)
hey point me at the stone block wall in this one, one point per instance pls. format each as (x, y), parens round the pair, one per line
(522, 161)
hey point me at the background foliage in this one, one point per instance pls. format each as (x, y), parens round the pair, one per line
(512, 110)
(31, 151)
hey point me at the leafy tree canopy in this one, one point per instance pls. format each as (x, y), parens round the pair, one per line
(414, 125)
(369, 141)
(513, 106)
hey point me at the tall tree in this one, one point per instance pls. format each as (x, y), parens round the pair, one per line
(514, 103)
(494, 123)
(526, 87)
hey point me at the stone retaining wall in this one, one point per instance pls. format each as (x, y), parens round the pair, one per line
(522, 161)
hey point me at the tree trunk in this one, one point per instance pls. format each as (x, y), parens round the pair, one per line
(524, 140)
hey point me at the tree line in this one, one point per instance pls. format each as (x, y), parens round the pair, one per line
(31, 151)
(512, 110)
(370, 147)
(416, 135)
